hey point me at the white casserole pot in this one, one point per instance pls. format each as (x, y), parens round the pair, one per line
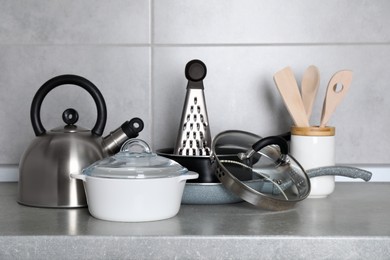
(134, 185)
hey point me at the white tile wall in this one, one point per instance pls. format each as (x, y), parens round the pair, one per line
(135, 52)
(74, 22)
(271, 21)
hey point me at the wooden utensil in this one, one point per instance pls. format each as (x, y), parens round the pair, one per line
(337, 88)
(289, 90)
(309, 88)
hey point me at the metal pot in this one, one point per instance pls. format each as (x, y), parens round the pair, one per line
(134, 185)
(200, 164)
(45, 167)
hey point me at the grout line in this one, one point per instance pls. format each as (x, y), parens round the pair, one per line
(151, 70)
(265, 44)
(78, 44)
(151, 22)
(153, 44)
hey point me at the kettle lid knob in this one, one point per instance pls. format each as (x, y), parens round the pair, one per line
(70, 116)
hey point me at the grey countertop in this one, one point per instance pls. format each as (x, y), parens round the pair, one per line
(352, 223)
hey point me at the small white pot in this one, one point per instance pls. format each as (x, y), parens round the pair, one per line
(134, 186)
(134, 200)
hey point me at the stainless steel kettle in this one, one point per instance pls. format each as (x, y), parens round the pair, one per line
(46, 165)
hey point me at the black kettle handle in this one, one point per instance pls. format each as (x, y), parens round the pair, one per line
(35, 112)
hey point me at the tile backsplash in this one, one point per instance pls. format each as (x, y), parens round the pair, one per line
(135, 52)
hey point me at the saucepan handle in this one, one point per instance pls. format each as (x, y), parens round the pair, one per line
(276, 140)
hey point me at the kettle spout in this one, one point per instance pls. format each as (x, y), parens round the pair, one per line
(129, 129)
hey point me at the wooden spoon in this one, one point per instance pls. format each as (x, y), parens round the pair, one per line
(289, 90)
(337, 88)
(309, 88)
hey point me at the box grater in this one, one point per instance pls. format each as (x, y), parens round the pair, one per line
(194, 137)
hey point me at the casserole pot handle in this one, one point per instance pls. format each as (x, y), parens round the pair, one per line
(188, 176)
(78, 176)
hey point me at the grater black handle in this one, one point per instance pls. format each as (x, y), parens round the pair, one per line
(195, 70)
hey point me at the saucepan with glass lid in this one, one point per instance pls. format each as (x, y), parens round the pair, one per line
(259, 171)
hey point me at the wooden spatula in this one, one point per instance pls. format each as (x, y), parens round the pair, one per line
(309, 88)
(336, 91)
(289, 90)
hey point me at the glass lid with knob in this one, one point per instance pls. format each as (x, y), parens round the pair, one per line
(261, 172)
(135, 161)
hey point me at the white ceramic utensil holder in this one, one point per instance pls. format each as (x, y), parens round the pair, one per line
(315, 147)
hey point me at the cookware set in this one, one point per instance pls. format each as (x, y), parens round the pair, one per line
(119, 178)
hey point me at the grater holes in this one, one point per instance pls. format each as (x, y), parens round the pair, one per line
(194, 126)
(190, 151)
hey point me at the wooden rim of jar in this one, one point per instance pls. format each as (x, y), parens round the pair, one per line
(313, 131)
